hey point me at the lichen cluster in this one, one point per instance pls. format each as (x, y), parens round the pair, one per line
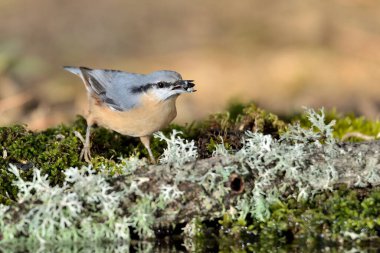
(82, 208)
(346, 125)
(278, 164)
(86, 208)
(54, 199)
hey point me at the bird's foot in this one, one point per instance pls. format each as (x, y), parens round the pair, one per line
(86, 152)
(152, 160)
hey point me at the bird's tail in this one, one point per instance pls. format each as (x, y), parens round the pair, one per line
(74, 70)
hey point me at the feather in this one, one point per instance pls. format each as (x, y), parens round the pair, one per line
(112, 87)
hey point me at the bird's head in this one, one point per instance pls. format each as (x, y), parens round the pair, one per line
(165, 84)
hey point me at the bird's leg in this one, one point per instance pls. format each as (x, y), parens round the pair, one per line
(86, 148)
(85, 153)
(146, 142)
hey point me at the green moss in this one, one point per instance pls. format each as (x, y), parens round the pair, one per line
(56, 149)
(51, 150)
(254, 119)
(337, 217)
(230, 126)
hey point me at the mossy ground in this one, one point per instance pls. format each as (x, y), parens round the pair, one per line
(56, 149)
(326, 215)
(343, 218)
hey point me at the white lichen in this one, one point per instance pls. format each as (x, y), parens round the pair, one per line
(142, 216)
(178, 151)
(87, 208)
(370, 174)
(128, 165)
(84, 208)
(220, 149)
(190, 231)
(170, 193)
(280, 163)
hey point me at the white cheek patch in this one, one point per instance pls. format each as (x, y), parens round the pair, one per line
(159, 94)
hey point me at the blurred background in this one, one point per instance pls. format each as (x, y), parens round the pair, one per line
(280, 54)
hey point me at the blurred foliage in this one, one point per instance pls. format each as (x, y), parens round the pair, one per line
(283, 54)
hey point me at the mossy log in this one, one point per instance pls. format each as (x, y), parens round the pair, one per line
(258, 181)
(354, 165)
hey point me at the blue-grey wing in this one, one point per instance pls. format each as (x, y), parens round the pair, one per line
(114, 88)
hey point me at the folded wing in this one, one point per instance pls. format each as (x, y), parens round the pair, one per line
(112, 87)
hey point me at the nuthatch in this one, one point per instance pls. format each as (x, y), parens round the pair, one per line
(131, 104)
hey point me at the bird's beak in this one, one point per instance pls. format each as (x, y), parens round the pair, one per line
(186, 85)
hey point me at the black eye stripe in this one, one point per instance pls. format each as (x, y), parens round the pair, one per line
(141, 89)
(147, 86)
(163, 84)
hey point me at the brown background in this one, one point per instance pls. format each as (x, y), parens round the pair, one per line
(280, 54)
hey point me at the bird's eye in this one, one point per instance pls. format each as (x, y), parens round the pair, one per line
(160, 85)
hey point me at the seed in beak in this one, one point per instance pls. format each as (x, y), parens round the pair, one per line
(189, 83)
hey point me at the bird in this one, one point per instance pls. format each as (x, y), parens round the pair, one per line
(129, 103)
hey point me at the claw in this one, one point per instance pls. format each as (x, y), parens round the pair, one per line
(86, 152)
